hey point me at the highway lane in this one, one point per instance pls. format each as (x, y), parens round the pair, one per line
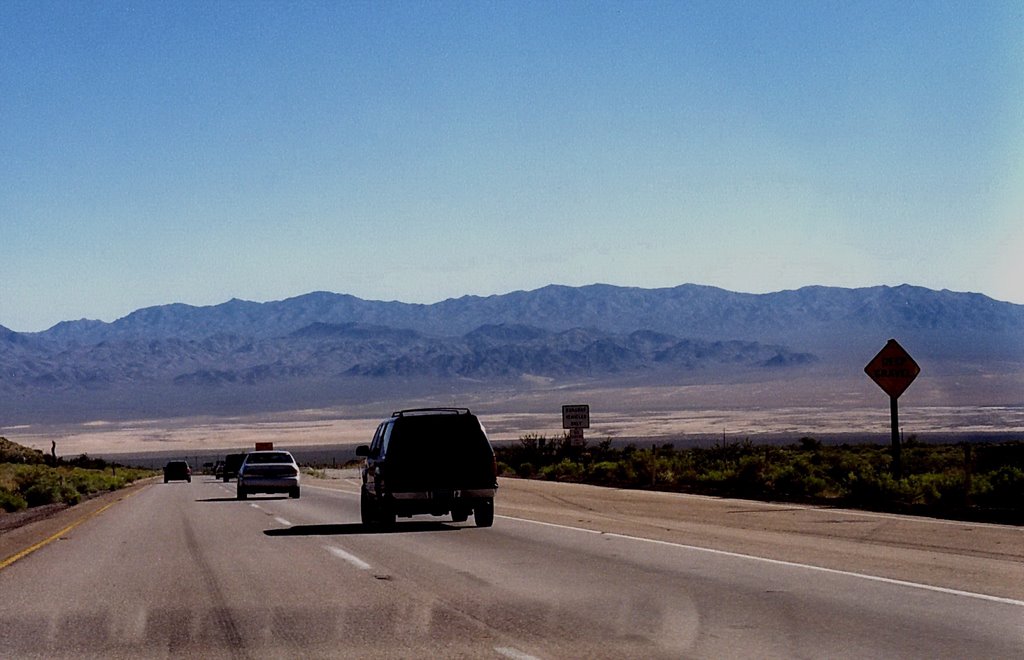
(187, 569)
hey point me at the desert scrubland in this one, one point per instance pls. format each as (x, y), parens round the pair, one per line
(677, 414)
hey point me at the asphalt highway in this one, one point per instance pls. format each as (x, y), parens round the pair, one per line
(566, 572)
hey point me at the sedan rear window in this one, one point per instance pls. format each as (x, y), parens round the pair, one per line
(276, 457)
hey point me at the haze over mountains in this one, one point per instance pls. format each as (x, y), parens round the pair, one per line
(322, 347)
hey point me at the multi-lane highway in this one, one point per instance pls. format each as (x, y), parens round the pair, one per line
(566, 572)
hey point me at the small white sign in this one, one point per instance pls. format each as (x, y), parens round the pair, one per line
(576, 417)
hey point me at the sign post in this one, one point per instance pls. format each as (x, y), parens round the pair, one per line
(893, 370)
(576, 418)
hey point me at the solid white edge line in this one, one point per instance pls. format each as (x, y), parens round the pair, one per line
(783, 506)
(910, 519)
(332, 490)
(877, 578)
(780, 562)
(347, 556)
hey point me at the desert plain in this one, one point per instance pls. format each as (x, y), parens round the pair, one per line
(853, 410)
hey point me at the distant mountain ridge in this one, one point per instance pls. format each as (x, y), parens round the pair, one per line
(687, 310)
(598, 332)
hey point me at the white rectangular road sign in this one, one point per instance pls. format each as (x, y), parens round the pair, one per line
(576, 417)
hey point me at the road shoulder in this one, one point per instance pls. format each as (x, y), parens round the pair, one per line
(16, 541)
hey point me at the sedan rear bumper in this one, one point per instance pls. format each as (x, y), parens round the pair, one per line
(268, 484)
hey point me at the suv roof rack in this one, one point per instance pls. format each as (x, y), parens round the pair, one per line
(431, 411)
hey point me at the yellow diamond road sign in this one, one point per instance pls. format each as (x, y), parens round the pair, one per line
(893, 369)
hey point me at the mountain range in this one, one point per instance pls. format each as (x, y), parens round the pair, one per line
(177, 358)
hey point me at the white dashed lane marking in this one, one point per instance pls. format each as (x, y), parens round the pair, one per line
(513, 653)
(347, 556)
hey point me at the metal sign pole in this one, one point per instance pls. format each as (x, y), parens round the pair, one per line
(897, 449)
(893, 370)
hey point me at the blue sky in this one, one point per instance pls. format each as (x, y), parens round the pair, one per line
(155, 152)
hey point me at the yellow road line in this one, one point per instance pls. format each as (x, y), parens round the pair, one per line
(29, 550)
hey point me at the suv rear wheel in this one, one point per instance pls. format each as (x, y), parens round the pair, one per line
(366, 510)
(385, 514)
(483, 514)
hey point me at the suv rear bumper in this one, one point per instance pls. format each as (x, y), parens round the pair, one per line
(437, 502)
(446, 495)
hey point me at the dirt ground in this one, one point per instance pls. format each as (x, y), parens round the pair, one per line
(631, 421)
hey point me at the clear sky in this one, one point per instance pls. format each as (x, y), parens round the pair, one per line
(158, 152)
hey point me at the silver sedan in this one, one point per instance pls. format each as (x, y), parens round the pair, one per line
(268, 472)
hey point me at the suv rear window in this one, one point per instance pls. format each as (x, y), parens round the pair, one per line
(424, 439)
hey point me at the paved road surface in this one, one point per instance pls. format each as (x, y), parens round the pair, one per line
(185, 569)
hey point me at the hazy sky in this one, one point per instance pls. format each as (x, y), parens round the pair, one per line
(158, 152)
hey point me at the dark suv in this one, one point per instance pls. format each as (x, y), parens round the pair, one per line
(428, 460)
(177, 471)
(231, 464)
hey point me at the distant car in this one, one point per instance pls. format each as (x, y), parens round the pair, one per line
(177, 471)
(429, 460)
(268, 472)
(231, 464)
(218, 469)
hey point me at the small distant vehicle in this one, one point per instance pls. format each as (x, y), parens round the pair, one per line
(428, 461)
(218, 469)
(177, 471)
(231, 464)
(268, 472)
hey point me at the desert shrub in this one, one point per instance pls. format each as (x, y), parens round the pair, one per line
(989, 458)
(606, 473)
(603, 451)
(796, 481)
(921, 459)
(50, 489)
(880, 491)
(722, 456)
(641, 466)
(526, 470)
(840, 466)
(749, 477)
(85, 461)
(565, 470)
(713, 481)
(12, 452)
(941, 491)
(11, 502)
(935, 478)
(537, 449)
(41, 484)
(1001, 488)
(808, 443)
